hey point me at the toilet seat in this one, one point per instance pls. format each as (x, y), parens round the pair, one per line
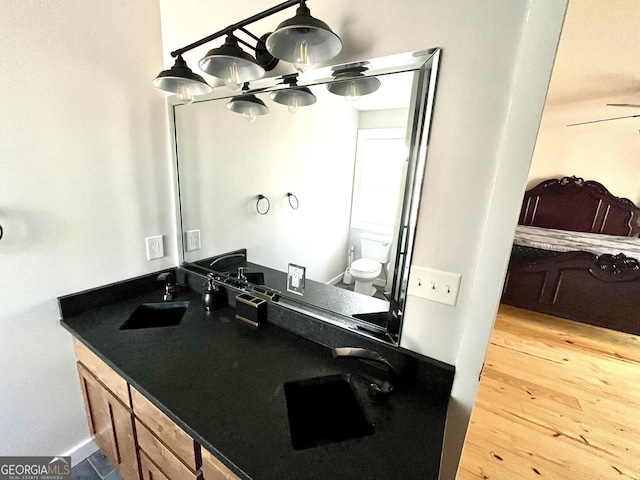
(365, 269)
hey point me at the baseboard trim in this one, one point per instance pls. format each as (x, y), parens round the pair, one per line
(335, 280)
(81, 451)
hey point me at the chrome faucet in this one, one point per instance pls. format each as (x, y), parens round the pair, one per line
(170, 285)
(378, 386)
(241, 276)
(224, 257)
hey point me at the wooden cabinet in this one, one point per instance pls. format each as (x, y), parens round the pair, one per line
(111, 424)
(149, 469)
(214, 469)
(176, 439)
(136, 436)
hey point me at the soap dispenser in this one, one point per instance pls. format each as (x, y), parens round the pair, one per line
(213, 296)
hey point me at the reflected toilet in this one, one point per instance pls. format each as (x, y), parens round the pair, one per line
(375, 250)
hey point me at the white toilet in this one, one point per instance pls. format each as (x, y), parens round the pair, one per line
(375, 251)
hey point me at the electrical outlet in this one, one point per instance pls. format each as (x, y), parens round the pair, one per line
(192, 240)
(155, 247)
(435, 285)
(296, 279)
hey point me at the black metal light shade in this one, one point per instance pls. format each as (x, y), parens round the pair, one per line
(304, 40)
(180, 80)
(232, 64)
(248, 105)
(294, 97)
(353, 84)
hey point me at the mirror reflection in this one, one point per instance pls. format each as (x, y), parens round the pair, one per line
(318, 184)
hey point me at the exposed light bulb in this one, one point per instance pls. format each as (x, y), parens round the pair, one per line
(303, 61)
(184, 93)
(352, 92)
(250, 115)
(232, 81)
(292, 104)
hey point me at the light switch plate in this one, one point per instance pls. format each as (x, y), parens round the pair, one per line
(435, 285)
(192, 240)
(155, 247)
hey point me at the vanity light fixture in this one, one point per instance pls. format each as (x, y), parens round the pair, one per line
(232, 64)
(302, 40)
(180, 80)
(352, 83)
(294, 96)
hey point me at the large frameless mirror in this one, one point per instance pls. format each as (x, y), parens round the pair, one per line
(329, 192)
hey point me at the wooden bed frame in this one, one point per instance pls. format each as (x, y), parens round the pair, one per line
(599, 290)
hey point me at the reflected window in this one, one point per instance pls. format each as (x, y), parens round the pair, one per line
(381, 159)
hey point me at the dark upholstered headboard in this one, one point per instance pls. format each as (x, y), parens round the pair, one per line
(573, 204)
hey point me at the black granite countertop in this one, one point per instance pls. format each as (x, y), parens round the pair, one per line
(222, 382)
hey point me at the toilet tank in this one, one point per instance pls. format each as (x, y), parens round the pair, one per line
(375, 247)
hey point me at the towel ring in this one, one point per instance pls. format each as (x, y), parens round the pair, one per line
(262, 197)
(290, 195)
(1, 232)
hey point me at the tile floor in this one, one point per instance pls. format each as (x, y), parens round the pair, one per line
(95, 467)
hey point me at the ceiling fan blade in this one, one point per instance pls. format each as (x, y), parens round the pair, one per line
(632, 105)
(603, 120)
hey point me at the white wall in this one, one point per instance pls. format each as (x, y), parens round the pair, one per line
(497, 57)
(310, 154)
(605, 152)
(592, 69)
(85, 177)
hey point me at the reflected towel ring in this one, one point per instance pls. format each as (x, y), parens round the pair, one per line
(289, 194)
(262, 197)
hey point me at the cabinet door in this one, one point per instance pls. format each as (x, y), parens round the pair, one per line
(214, 469)
(97, 415)
(149, 470)
(111, 424)
(172, 467)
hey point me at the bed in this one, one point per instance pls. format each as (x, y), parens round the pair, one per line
(576, 255)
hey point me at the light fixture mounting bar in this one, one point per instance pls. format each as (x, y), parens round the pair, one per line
(236, 26)
(249, 33)
(239, 40)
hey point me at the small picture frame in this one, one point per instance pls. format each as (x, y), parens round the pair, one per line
(296, 279)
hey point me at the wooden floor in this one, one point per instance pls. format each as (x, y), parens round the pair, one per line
(557, 399)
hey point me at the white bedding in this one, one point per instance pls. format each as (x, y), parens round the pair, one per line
(565, 241)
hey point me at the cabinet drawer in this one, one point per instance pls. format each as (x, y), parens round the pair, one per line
(181, 444)
(149, 470)
(103, 372)
(214, 469)
(167, 462)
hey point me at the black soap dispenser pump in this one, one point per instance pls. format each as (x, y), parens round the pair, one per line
(213, 297)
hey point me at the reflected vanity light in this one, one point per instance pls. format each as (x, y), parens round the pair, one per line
(302, 40)
(248, 105)
(352, 83)
(294, 96)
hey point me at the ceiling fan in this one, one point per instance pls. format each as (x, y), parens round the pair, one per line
(630, 105)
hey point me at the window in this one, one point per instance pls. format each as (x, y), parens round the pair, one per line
(381, 159)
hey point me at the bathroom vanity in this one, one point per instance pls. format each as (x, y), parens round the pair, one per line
(176, 392)
(207, 397)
